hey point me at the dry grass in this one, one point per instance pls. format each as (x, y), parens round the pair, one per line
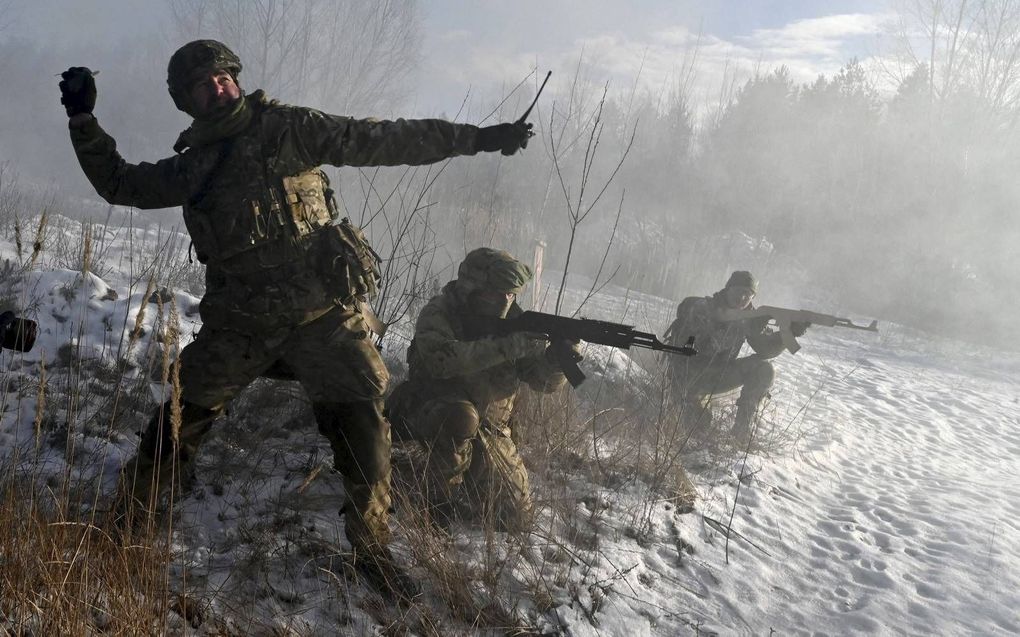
(64, 575)
(64, 570)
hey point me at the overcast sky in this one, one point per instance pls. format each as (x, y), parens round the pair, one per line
(478, 44)
(469, 40)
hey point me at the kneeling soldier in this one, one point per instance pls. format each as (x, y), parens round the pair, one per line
(461, 389)
(718, 368)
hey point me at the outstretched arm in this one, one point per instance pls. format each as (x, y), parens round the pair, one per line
(344, 141)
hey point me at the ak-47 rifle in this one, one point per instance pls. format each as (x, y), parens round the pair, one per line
(784, 318)
(562, 328)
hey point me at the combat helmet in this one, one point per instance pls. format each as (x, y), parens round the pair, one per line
(489, 269)
(743, 278)
(193, 59)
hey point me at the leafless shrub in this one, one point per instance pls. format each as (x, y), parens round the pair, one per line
(339, 55)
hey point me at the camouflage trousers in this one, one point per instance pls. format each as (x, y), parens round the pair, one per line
(341, 371)
(473, 468)
(696, 386)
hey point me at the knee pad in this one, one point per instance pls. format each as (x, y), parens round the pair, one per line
(458, 420)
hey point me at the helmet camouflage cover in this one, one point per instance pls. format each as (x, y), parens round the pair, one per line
(743, 278)
(193, 59)
(485, 268)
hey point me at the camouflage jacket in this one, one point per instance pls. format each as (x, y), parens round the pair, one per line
(718, 341)
(445, 361)
(256, 205)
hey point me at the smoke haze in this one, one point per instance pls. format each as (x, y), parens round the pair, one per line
(853, 164)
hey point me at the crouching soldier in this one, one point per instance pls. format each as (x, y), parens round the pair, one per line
(718, 368)
(461, 389)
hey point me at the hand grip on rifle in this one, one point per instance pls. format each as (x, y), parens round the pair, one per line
(564, 352)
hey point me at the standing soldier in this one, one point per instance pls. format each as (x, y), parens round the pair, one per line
(461, 389)
(286, 279)
(717, 368)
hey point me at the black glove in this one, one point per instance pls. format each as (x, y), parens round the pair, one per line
(799, 327)
(78, 90)
(506, 138)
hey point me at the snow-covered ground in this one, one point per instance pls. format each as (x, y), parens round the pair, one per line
(896, 512)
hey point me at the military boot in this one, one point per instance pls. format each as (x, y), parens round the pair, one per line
(696, 416)
(366, 527)
(137, 493)
(742, 424)
(375, 562)
(156, 467)
(144, 480)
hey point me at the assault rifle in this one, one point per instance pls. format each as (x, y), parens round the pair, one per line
(17, 333)
(784, 317)
(562, 328)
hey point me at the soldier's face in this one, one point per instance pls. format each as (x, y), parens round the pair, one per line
(739, 297)
(214, 92)
(491, 302)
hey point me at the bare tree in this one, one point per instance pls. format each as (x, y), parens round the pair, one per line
(339, 55)
(997, 53)
(581, 204)
(967, 46)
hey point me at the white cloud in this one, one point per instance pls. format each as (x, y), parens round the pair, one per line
(825, 36)
(807, 47)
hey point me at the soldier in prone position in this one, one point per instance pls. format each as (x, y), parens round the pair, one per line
(461, 390)
(718, 367)
(285, 280)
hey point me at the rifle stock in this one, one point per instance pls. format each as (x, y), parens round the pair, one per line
(785, 317)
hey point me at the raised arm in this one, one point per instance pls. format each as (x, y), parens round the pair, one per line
(145, 185)
(159, 185)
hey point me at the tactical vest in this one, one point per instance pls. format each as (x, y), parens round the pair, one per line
(260, 218)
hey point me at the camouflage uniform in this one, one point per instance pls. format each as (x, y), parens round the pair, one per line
(717, 368)
(286, 281)
(460, 393)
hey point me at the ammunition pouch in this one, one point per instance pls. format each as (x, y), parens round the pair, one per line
(351, 265)
(308, 202)
(223, 228)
